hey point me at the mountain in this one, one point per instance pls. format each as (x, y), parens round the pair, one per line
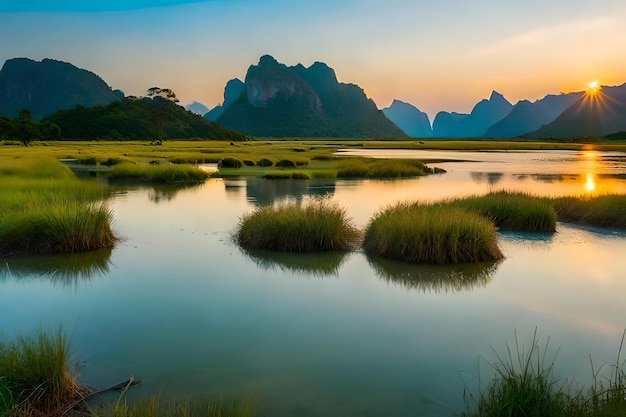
(47, 86)
(233, 90)
(197, 108)
(527, 117)
(303, 102)
(409, 118)
(593, 114)
(484, 114)
(132, 118)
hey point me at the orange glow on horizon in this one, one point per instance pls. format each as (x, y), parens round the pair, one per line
(593, 87)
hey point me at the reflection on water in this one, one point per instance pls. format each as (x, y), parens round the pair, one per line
(319, 265)
(263, 192)
(67, 270)
(434, 278)
(157, 193)
(490, 178)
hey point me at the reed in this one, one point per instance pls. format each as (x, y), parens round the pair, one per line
(524, 385)
(431, 234)
(158, 173)
(313, 226)
(35, 375)
(603, 211)
(513, 211)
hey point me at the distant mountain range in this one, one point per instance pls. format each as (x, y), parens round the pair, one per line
(484, 114)
(282, 101)
(409, 118)
(197, 108)
(47, 86)
(574, 115)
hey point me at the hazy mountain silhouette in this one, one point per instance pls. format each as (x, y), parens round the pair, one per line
(197, 108)
(409, 118)
(303, 102)
(233, 90)
(47, 86)
(527, 117)
(484, 114)
(598, 114)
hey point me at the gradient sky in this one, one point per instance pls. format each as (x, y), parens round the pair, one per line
(437, 54)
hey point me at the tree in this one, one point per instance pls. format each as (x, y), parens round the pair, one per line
(161, 98)
(24, 128)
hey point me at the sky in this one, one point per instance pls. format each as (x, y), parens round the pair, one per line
(437, 55)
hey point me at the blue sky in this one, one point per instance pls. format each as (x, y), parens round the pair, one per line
(437, 55)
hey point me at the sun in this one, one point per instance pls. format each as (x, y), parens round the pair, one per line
(593, 87)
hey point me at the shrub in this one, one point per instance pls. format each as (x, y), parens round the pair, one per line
(230, 162)
(286, 163)
(265, 163)
(431, 234)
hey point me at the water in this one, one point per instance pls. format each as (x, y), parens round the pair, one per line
(190, 314)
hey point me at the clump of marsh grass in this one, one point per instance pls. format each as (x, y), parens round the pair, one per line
(431, 234)
(524, 385)
(382, 168)
(313, 226)
(46, 209)
(603, 211)
(513, 211)
(34, 376)
(154, 406)
(159, 173)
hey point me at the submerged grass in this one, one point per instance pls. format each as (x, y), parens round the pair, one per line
(313, 226)
(431, 234)
(158, 173)
(513, 211)
(154, 406)
(46, 209)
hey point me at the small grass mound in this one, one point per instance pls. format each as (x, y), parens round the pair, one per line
(230, 162)
(382, 168)
(34, 376)
(431, 234)
(46, 209)
(602, 211)
(157, 173)
(513, 211)
(314, 226)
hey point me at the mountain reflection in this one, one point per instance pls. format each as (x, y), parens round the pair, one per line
(434, 278)
(67, 270)
(319, 264)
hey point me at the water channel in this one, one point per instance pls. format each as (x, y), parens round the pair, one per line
(186, 311)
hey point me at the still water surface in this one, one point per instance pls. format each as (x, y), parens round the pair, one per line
(190, 314)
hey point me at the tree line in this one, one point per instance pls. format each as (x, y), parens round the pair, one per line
(24, 129)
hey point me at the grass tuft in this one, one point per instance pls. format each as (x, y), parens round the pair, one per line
(35, 377)
(313, 226)
(603, 211)
(158, 173)
(431, 234)
(513, 211)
